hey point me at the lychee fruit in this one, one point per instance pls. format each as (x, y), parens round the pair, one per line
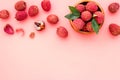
(4, 14)
(8, 29)
(52, 18)
(33, 11)
(62, 32)
(99, 17)
(89, 27)
(113, 7)
(78, 24)
(114, 29)
(46, 5)
(91, 6)
(21, 15)
(80, 7)
(20, 5)
(86, 15)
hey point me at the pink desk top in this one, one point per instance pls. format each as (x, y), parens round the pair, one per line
(48, 57)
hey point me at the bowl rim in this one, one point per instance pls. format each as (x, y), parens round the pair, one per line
(101, 9)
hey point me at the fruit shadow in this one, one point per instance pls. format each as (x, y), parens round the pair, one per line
(86, 36)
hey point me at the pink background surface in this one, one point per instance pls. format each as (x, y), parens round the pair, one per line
(48, 57)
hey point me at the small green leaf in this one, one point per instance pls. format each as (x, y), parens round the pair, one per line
(74, 11)
(71, 16)
(95, 26)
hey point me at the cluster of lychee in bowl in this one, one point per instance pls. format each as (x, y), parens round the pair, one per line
(86, 17)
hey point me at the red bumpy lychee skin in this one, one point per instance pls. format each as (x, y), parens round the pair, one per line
(20, 5)
(80, 7)
(21, 15)
(89, 27)
(62, 32)
(86, 15)
(52, 18)
(9, 29)
(91, 6)
(33, 11)
(78, 24)
(113, 7)
(4, 14)
(114, 29)
(46, 5)
(99, 17)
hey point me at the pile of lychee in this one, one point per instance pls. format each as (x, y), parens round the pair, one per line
(33, 10)
(85, 17)
(91, 17)
(90, 14)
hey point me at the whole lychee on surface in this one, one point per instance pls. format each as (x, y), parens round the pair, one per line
(20, 5)
(91, 6)
(21, 15)
(62, 32)
(113, 7)
(78, 24)
(52, 18)
(80, 7)
(4, 14)
(86, 15)
(46, 5)
(114, 29)
(33, 11)
(99, 17)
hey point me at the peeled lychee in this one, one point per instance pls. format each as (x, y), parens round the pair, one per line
(86, 15)
(52, 18)
(91, 6)
(78, 24)
(4, 14)
(33, 10)
(20, 5)
(99, 17)
(114, 29)
(80, 7)
(21, 15)
(62, 32)
(113, 7)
